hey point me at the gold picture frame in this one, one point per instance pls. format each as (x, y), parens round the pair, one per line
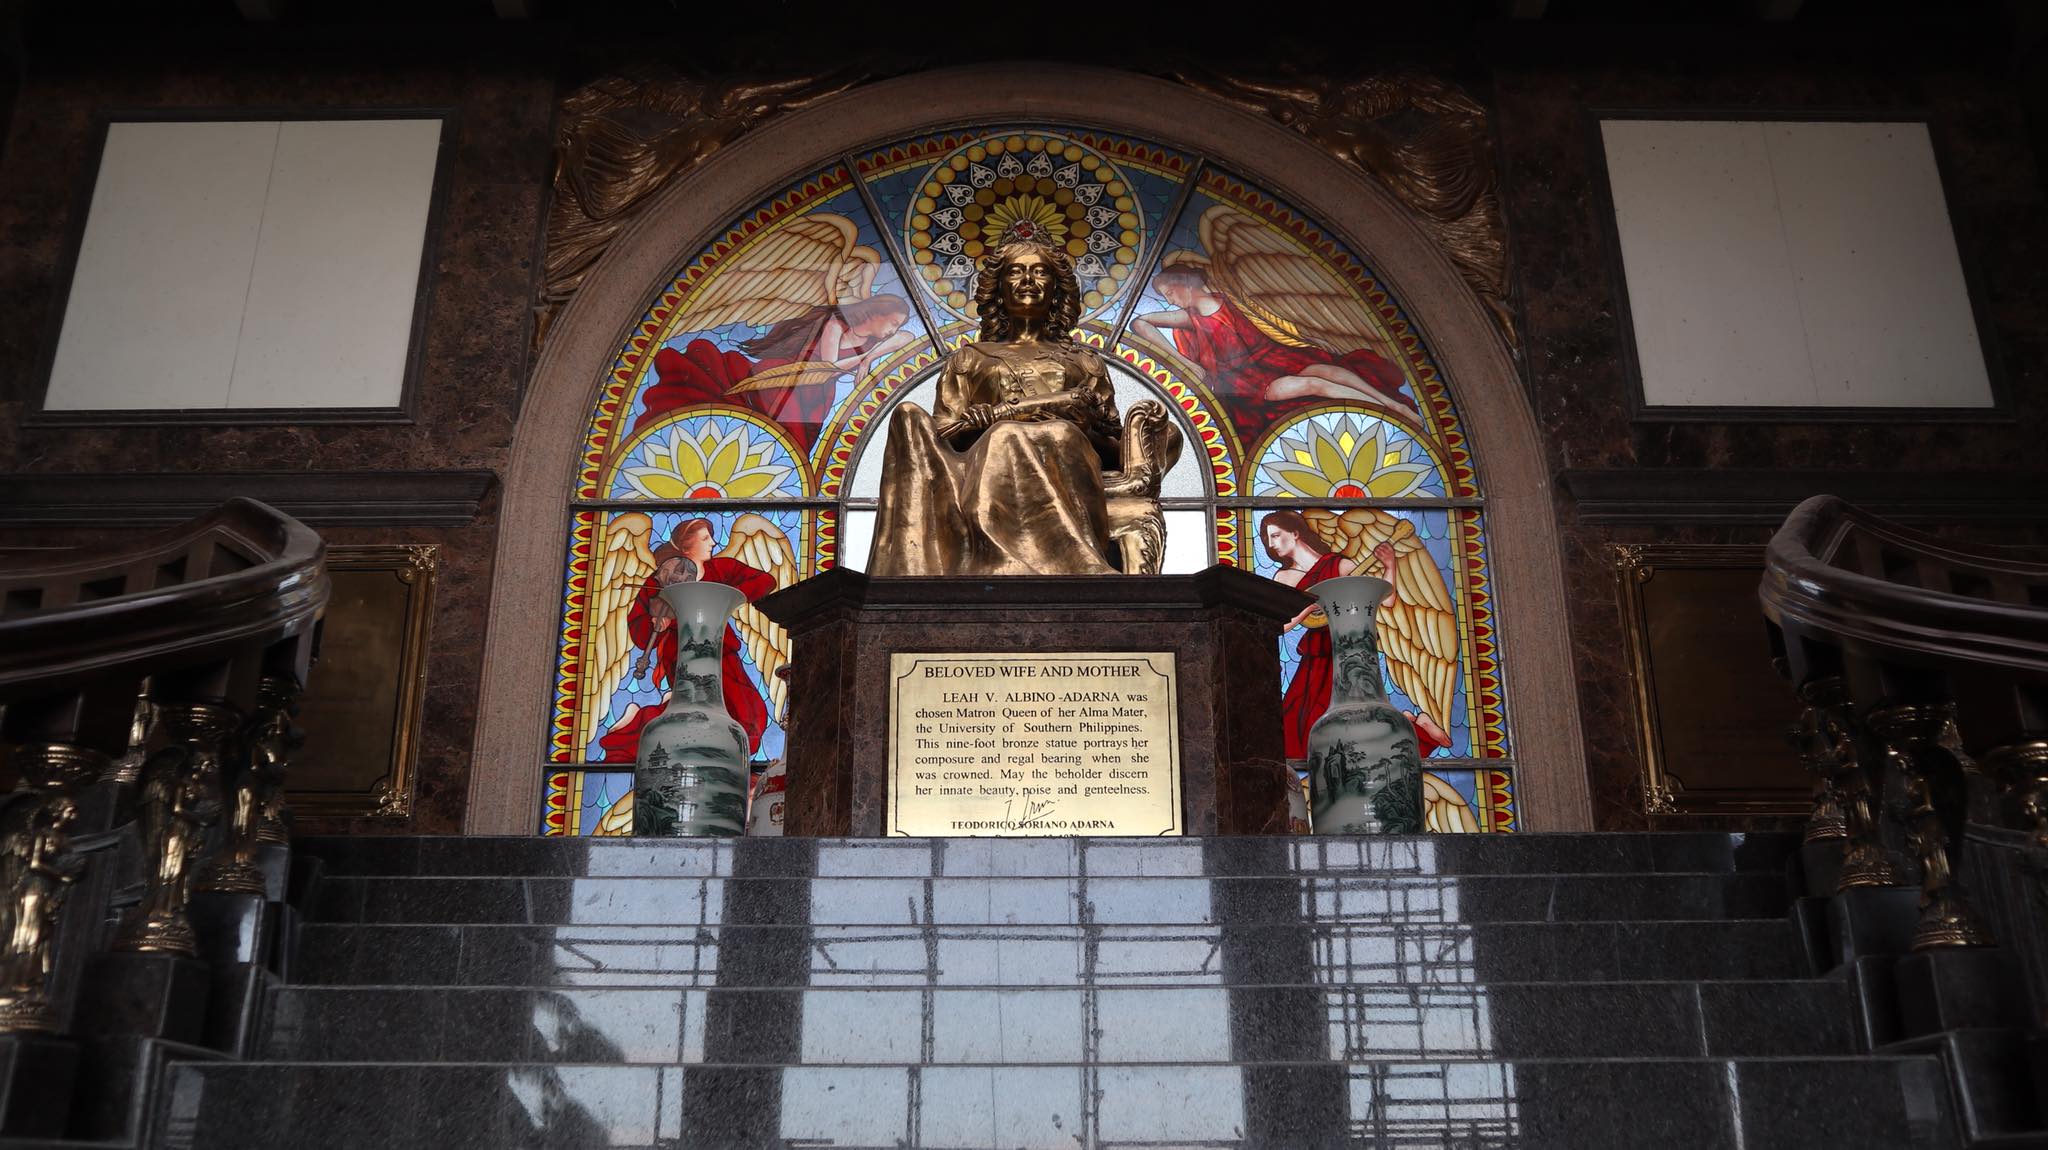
(1710, 710)
(362, 707)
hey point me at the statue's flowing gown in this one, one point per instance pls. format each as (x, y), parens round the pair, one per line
(1019, 498)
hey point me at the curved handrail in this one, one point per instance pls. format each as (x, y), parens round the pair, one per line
(1807, 587)
(242, 573)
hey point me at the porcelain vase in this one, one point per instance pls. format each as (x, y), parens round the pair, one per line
(1364, 774)
(691, 775)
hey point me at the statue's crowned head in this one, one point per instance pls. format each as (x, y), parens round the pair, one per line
(999, 320)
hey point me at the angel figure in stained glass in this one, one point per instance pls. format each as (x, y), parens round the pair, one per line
(1444, 810)
(1417, 627)
(809, 288)
(1269, 325)
(633, 634)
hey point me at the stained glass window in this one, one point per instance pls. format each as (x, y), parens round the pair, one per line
(742, 420)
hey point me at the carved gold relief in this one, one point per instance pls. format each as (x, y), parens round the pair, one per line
(623, 138)
(1424, 139)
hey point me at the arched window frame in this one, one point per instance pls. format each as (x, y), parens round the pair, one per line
(1230, 503)
(633, 264)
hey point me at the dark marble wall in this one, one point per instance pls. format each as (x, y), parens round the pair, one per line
(1567, 279)
(496, 166)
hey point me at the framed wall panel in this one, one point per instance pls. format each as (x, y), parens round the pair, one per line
(1710, 710)
(361, 712)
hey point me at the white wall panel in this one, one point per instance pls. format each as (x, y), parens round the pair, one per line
(156, 298)
(338, 266)
(1887, 314)
(1791, 264)
(247, 264)
(1710, 283)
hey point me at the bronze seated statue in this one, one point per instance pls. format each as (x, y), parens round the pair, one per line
(1024, 467)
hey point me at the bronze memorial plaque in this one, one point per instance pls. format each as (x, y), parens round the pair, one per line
(1062, 743)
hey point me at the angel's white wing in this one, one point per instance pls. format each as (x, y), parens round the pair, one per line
(758, 543)
(622, 566)
(1285, 290)
(617, 820)
(1444, 810)
(1419, 630)
(810, 261)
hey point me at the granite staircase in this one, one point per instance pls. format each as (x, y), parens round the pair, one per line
(1499, 991)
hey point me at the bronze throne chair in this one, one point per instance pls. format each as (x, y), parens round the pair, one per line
(1151, 446)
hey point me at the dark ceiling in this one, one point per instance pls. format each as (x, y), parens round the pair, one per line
(1466, 39)
(1317, 37)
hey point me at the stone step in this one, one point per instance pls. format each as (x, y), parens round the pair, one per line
(1689, 852)
(989, 1025)
(688, 956)
(1697, 1103)
(1054, 901)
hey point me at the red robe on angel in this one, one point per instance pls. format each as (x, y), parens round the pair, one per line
(621, 744)
(703, 373)
(1239, 362)
(1308, 693)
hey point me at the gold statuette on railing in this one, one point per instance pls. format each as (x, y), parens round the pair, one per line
(127, 770)
(2022, 770)
(1914, 734)
(252, 779)
(35, 875)
(180, 800)
(1819, 754)
(277, 740)
(1865, 861)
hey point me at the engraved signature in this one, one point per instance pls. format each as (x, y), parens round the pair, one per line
(1034, 810)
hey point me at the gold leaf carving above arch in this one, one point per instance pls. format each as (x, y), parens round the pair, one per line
(623, 138)
(1423, 138)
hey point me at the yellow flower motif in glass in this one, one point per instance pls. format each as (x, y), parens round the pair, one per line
(708, 459)
(1347, 457)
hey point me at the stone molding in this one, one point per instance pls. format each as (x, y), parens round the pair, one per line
(1764, 497)
(316, 498)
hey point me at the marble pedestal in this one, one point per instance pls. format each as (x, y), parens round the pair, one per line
(1222, 625)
